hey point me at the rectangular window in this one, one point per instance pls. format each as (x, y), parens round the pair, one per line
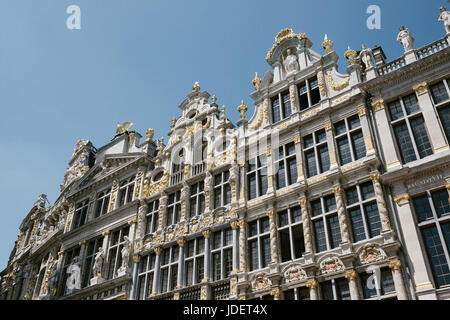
(257, 177)
(283, 111)
(169, 268)
(409, 128)
(117, 242)
(152, 217)
(325, 223)
(432, 211)
(349, 140)
(222, 246)
(309, 93)
(439, 92)
(91, 252)
(197, 199)
(222, 189)
(145, 276)
(378, 288)
(126, 191)
(81, 214)
(317, 157)
(259, 243)
(70, 257)
(173, 208)
(102, 202)
(290, 230)
(286, 166)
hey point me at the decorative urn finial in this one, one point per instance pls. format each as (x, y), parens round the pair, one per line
(242, 109)
(350, 55)
(256, 81)
(327, 44)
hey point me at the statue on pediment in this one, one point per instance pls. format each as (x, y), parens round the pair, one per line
(444, 16)
(406, 39)
(367, 57)
(291, 62)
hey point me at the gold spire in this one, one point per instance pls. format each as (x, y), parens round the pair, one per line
(195, 87)
(256, 81)
(242, 109)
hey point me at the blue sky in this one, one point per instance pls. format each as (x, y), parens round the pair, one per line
(136, 60)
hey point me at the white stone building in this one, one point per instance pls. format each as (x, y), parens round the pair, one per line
(336, 188)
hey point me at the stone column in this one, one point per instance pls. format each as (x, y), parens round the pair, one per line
(313, 292)
(366, 131)
(273, 236)
(82, 255)
(396, 267)
(207, 259)
(134, 281)
(70, 214)
(384, 215)
(429, 115)
(412, 243)
(352, 277)
(293, 96)
(114, 192)
(155, 288)
(180, 279)
(185, 193)
(270, 173)
(299, 158)
(276, 294)
(306, 225)
(105, 246)
(235, 228)
(345, 238)
(162, 211)
(331, 145)
(386, 135)
(242, 246)
(142, 220)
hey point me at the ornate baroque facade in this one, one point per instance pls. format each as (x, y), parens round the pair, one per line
(336, 188)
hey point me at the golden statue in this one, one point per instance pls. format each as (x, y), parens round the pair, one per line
(124, 127)
(149, 133)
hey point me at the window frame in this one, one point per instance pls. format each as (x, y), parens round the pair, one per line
(348, 135)
(152, 217)
(324, 217)
(290, 227)
(222, 249)
(223, 187)
(281, 105)
(259, 237)
(260, 166)
(285, 159)
(444, 104)
(198, 262)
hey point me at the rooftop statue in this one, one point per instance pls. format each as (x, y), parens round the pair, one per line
(444, 16)
(406, 39)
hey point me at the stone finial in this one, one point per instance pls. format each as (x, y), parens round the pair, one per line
(256, 81)
(214, 99)
(327, 44)
(223, 117)
(196, 87)
(242, 109)
(350, 55)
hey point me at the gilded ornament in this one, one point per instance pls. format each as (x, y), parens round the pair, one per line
(149, 133)
(378, 105)
(396, 264)
(351, 275)
(328, 126)
(158, 250)
(327, 45)
(312, 284)
(362, 111)
(350, 55)
(196, 87)
(337, 86)
(207, 234)
(421, 88)
(242, 109)
(124, 127)
(321, 82)
(401, 198)
(256, 81)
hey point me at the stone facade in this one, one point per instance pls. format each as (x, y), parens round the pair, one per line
(333, 189)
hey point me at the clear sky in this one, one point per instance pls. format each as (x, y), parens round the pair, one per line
(136, 60)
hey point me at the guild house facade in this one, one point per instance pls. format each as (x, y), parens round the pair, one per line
(337, 187)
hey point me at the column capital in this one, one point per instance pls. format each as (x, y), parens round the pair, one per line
(337, 190)
(421, 88)
(181, 242)
(401, 199)
(235, 225)
(158, 250)
(105, 233)
(136, 258)
(395, 264)
(351, 275)
(82, 243)
(276, 292)
(242, 223)
(297, 139)
(328, 126)
(303, 202)
(312, 284)
(207, 234)
(375, 176)
(271, 213)
(269, 151)
(132, 221)
(378, 105)
(362, 112)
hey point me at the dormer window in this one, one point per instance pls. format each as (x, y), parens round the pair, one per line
(281, 110)
(309, 93)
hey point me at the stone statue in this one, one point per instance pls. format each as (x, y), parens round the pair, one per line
(406, 39)
(444, 16)
(126, 253)
(208, 181)
(150, 133)
(291, 63)
(367, 56)
(98, 262)
(74, 280)
(234, 172)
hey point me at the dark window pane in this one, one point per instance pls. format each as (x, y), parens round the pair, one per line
(299, 241)
(395, 110)
(359, 145)
(340, 128)
(404, 143)
(253, 247)
(444, 115)
(373, 218)
(330, 203)
(327, 290)
(285, 245)
(311, 163)
(344, 151)
(421, 137)
(440, 200)
(316, 207)
(436, 255)
(439, 92)
(319, 230)
(324, 158)
(357, 224)
(265, 247)
(276, 110)
(351, 196)
(283, 218)
(354, 122)
(422, 208)
(342, 289)
(387, 282)
(335, 231)
(287, 105)
(411, 104)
